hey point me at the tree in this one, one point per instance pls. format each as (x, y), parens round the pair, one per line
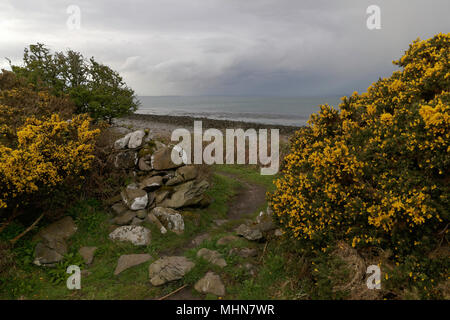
(95, 88)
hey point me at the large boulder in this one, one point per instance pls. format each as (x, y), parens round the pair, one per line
(137, 235)
(169, 269)
(210, 283)
(162, 159)
(130, 260)
(186, 194)
(136, 138)
(125, 160)
(170, 219)
(135, 199)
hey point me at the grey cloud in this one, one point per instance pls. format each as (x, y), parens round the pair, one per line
(252, 47)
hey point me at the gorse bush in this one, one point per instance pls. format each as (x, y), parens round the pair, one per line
(376, 171)
(42, 146)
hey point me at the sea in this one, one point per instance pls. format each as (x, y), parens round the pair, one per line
(288, 111)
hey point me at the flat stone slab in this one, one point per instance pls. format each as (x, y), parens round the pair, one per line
(249, 233)
(127, 261)
(169, 269)
(137, 235)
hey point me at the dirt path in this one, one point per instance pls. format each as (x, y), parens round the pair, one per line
(249, 198)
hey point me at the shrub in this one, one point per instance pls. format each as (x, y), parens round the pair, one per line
(375, 172)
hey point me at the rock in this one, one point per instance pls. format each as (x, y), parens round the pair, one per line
(160, 195)
(152, 183)
(169, 269)
(187, 172)
(135, 140)
(113, 200)
(200, 239)
(152, 218)
(212, 256)
(137, 235)
(227, 240)
(186, 194)
(125, 160)
(49, 252)
(265, 222)
(125, 218)
(130, 260)
(244, 252)
(53, 247)
(122, 143)
(249, 233)
(61, 229)
(136, 221)
(143, 165)
(162, 159)
(135, 199)
(119, 208)
(174, 181)
(210, 283)
(141, 214)
(169, 218)
(87, 253)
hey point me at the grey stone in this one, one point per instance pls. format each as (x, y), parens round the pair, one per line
(186, 194)
(210, 283)
(141, 214)
(249, 233)
(143, 165)
(151, 183)
(87, 253)
(135, 140)
(135, 199)
(153, 219)
(169, 218)
(122, 143)
(187, 172)
(130, 260)
(169, 269)
(212, 256)
(174, 181)
(162, 159)
(137, 235)
(49, 252)
(160, 195)
(61, 229)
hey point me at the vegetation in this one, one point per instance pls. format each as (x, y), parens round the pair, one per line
(93, 87)
(375, 172)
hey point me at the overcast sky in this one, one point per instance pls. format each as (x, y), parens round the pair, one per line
(229, 47)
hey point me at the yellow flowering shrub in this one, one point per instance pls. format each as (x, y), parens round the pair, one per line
(42, 146)
(375, 171)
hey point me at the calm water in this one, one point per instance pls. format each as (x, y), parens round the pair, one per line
(268, 110)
